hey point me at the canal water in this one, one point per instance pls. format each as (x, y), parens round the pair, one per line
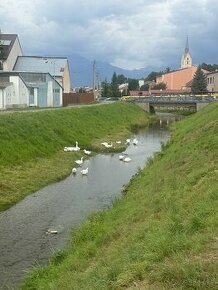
(24, 241)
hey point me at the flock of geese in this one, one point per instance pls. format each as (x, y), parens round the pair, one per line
(123, 157)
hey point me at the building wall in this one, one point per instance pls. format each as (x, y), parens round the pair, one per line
(77, 98)
(177, 80)
(16, 51)
(212, 82)
(66, 80)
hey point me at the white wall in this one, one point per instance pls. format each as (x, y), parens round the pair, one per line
(17, 94)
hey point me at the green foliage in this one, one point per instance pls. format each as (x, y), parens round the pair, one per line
(144, 87)
(114, 91)
(199, 82)
(162, 234)
(105, 90)
(152, 76)
(209, 67)
(133, 84)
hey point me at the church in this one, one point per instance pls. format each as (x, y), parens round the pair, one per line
(180, 79)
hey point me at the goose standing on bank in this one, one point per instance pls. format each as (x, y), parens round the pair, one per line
(74, 170)
(80, 161)
(87, 152)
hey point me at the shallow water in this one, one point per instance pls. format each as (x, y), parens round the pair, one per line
(64, 205)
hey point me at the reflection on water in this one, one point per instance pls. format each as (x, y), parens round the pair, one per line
(66, 204)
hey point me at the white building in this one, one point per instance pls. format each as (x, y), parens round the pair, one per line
(58, 67)
(13, 92)
(10, 49)
(24, 89)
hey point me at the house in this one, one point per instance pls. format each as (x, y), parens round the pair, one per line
(212, 81)
(13, 91)
(24, 89)
(10, 49)
(58, 67)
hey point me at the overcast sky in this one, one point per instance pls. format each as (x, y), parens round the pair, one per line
(126, 33)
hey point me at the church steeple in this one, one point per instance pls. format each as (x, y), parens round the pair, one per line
(186, 60)
(187, 45)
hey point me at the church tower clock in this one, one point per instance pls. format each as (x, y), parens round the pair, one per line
(186, 60)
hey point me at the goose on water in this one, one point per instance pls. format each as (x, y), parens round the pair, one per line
(84, 171)
(80, 161)
(127, 159)
(121, 156)
(135, 141)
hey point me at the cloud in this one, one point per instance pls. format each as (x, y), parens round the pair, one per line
(129, 34)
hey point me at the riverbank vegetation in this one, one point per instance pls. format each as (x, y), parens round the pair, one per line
(32, 143)
(162, 235)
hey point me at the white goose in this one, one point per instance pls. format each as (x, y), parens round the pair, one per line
(121, 156)
(74, 170)
(87, 152)
(80, 161)
(128, 141)
(127, 159)
(84, 171)
(109, 145)
(135, 141)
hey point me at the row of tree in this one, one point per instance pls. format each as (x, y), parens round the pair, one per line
(199, 82)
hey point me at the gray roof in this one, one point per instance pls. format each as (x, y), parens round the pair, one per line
(53, 65)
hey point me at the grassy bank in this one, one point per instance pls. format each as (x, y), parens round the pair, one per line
(162, 235)
(31, 147)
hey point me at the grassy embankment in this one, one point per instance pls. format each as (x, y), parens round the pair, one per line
(31, 146)
(162, 234)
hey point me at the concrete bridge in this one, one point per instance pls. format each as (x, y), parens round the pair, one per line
(191, 103)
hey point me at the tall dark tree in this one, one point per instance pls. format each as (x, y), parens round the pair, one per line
(114, 91)
(199, 82)
(133, 84)
(121, 79)
(105, 89)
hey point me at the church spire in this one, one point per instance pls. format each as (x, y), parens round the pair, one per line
(186, 60)
(187, 45)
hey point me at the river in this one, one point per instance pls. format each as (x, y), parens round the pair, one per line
(64, 205)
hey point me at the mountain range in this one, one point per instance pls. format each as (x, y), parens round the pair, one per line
(82, 71)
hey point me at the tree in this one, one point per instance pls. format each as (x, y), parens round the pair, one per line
(105, 89)
(199, 82)
(144, 87)
(152, 76)
(121, 79)
(133, 84)
(114, 90)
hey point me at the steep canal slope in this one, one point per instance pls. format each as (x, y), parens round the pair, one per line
(162, 234)
(32, 143)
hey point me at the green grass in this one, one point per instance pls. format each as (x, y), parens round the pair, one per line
(31, 146)
(162, 234)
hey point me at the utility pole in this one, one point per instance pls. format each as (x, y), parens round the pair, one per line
(94, 77)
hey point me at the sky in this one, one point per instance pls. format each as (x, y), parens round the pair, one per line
(130, 34)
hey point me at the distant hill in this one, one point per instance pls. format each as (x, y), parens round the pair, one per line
(81, 70)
